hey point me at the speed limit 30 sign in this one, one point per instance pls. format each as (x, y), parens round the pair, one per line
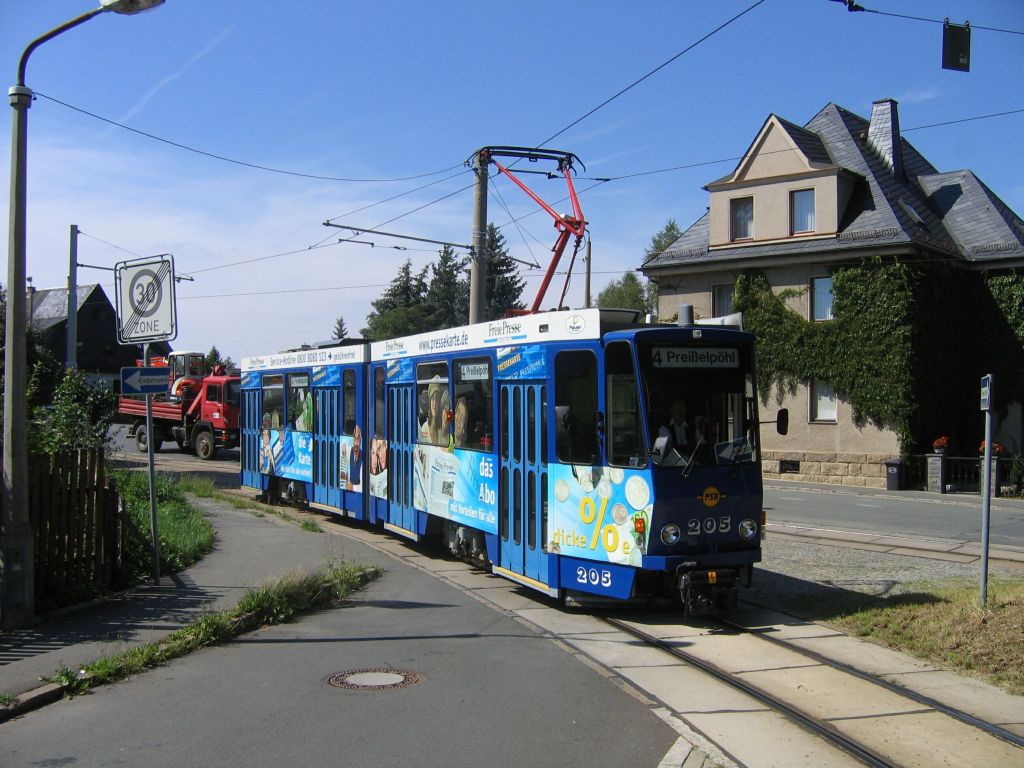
(146, 309)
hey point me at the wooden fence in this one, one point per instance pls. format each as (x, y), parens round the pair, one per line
(74, 511)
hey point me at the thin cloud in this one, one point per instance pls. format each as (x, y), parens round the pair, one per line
(140, 105)
(918, 96)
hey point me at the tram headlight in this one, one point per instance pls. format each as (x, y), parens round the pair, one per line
(747, 529)
(670, 534)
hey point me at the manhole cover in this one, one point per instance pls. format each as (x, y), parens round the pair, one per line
(377, 679)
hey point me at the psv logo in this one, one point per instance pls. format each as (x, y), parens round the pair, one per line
(711, 497)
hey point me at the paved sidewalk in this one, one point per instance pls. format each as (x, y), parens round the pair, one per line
(245, 554)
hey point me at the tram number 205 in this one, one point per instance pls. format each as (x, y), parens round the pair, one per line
(694, 526)
(593, 576)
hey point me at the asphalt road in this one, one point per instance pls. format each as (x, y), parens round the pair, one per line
(222, 469)
(908, 513)
(491, 690)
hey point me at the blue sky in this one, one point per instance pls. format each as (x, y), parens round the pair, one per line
(386, 90)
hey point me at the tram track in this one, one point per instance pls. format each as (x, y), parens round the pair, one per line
(869, 747)
(920, 698)
(815, 725)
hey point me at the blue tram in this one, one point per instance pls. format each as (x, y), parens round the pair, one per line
(570, 451)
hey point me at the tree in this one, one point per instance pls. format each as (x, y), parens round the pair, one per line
(44, 370)
(340, 331)
(660, 240)
(626, 293)
(79, 416)
(504, 286)
(448, 293)
(214, 357)
(402, 309)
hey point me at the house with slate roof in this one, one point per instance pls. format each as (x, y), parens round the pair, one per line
(99, 354)
(842, 190)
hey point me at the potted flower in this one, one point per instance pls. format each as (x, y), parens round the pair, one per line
(939, 444)
(997, 449)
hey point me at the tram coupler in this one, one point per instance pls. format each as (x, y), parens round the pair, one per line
(705, 592)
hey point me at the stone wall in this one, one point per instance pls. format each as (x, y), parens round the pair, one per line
(861, 469)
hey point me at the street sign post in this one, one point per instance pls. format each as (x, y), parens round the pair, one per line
(986, 480)
(146, 307)
(144, 381)
(146, 311)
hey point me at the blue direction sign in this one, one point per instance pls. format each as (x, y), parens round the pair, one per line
(144, 381)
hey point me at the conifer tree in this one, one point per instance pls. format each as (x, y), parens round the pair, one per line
(402, 309)
(504, 286)
(448, 293)
(340, 332)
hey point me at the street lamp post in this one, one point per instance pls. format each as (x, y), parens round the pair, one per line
(17, 606)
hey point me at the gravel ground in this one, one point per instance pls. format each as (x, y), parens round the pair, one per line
(807, 577)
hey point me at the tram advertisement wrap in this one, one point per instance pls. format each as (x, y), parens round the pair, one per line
(599, 513)
(528, 361)
(379, 467)
(458, 485)
(287, 454)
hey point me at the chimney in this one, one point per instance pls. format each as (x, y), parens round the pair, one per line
(884, 134)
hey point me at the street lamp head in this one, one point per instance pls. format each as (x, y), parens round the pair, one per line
(129, 7)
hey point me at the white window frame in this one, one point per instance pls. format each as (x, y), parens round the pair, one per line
(814, 302)
(793, 212)
(816, 391)
(733, 203)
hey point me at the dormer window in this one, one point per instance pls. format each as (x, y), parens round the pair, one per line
(801, 212)
(742, 215)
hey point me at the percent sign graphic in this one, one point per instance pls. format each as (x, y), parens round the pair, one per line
(609, 534)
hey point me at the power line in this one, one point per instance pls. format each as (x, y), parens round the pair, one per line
(778, 151)
(855, 7)
(242, 163)
(964, 120)
(661, 66)
(112, 245)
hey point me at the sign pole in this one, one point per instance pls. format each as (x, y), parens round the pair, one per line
(986, 493)
(152, 476)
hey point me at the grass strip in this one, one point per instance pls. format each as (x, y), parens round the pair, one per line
(185, 535)
(951, 630)
(273, 603)
(205, 488)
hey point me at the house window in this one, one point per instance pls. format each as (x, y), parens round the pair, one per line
(821, 298)
(742, 214)
(721, 300)
(823, 402)
(801, 211)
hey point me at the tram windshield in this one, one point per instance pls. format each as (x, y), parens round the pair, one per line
(700, 404)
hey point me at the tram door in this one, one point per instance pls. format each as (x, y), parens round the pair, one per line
(401, 443)
(251, 420)
(325, 446)
(523, 480)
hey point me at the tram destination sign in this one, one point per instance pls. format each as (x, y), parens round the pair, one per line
(695, 357)
(146, 307)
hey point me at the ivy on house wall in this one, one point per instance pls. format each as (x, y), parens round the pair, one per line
(863, 353)
(907, 345)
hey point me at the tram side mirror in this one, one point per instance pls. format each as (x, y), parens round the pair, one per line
(782, 421)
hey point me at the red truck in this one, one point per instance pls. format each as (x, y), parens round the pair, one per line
(199, 413)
